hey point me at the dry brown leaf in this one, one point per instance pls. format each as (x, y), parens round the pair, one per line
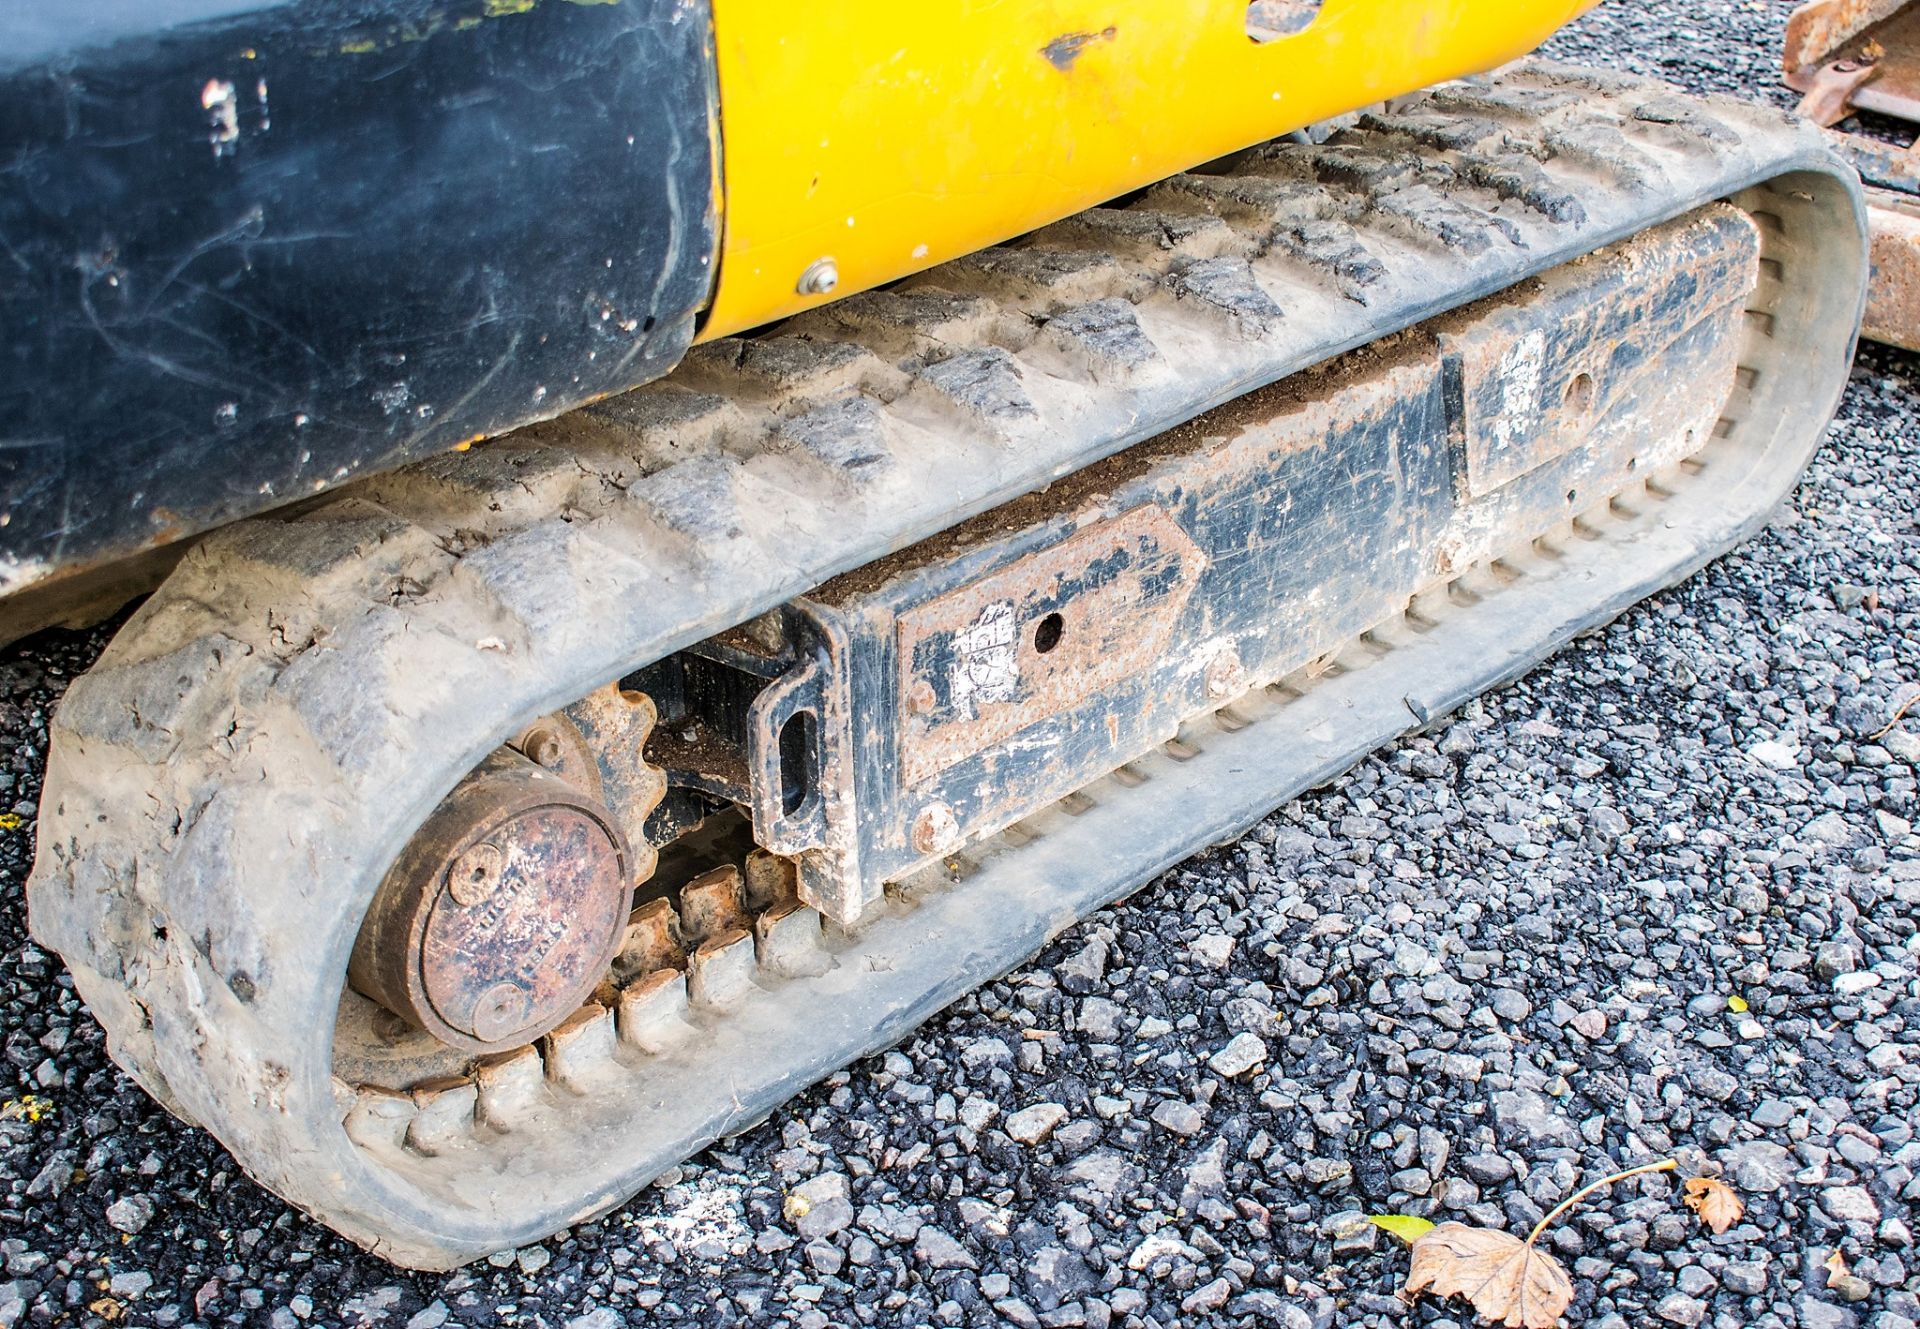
(1836, 1268)
(1507, 1280)
(1719, 1208)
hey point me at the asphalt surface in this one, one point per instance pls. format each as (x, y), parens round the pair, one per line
(1491, 963)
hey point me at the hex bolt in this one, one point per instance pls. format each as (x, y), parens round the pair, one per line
(475, 874)
(821, 276)
(935, 830)
(542, 747)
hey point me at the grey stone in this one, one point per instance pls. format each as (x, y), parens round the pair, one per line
(1031, 1125)
(1759, 1167)
(1850, 1204)
(820, 1206)
(130, 1213)
(130, 1284)
(1100, 1178)
(1529, 1118)
(935, 1249)
(1055, 1276)
(1679, 1308)
(1179, 1116)
(1085, 970)
(1818, 1313)
(1100, 1019)
(1241, 1054)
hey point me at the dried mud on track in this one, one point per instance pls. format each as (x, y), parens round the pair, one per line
(1491, 963)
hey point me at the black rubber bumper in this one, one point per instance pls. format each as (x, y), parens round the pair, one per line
(249, 250)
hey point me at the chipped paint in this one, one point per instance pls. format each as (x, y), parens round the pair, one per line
(986, 664)
(1067, 48)
(1519, 376)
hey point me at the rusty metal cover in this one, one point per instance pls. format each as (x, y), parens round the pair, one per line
(501, 914)
(981, 663)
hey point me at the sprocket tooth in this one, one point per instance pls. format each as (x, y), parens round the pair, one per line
(379, 1118)
(720, 973)
(652, 941)
(653, 1010)
(712, 905)
(510, 1088)
(579, 1053)
(443, 1120)
(769, 881)
(787, 943)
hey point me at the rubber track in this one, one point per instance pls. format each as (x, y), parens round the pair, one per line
(227, 786)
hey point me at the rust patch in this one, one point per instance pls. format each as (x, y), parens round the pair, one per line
(1041, 635)
(1857, 54)
(1063, 50)
(501, 914)
(1893, 291)
(1816, 31)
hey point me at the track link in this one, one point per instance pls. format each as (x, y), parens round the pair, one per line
(227, 786)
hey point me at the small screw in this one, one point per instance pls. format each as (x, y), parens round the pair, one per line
(475, 874)
(821, 276)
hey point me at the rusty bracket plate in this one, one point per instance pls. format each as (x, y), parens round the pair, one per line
(1847, 54)
(964, 683)
(984, 662)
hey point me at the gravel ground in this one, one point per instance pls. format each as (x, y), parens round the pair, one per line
(1489, 964)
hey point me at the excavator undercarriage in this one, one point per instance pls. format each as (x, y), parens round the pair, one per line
(467, 848)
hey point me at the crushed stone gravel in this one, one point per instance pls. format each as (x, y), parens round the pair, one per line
(1657, 897)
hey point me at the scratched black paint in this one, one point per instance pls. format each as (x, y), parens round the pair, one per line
(249, 250)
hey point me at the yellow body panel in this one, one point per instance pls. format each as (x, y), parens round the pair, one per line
(889, 136)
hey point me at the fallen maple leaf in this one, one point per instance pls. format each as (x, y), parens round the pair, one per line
(1836, 1268)
(1509, 1281)
(1719, 1208)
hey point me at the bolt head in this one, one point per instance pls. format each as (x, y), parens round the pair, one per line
(1225, 675)
(935, 830)
(502, 1010)
(820, 277)
(475, 875)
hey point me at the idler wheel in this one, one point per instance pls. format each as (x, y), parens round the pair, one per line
(503, 912)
